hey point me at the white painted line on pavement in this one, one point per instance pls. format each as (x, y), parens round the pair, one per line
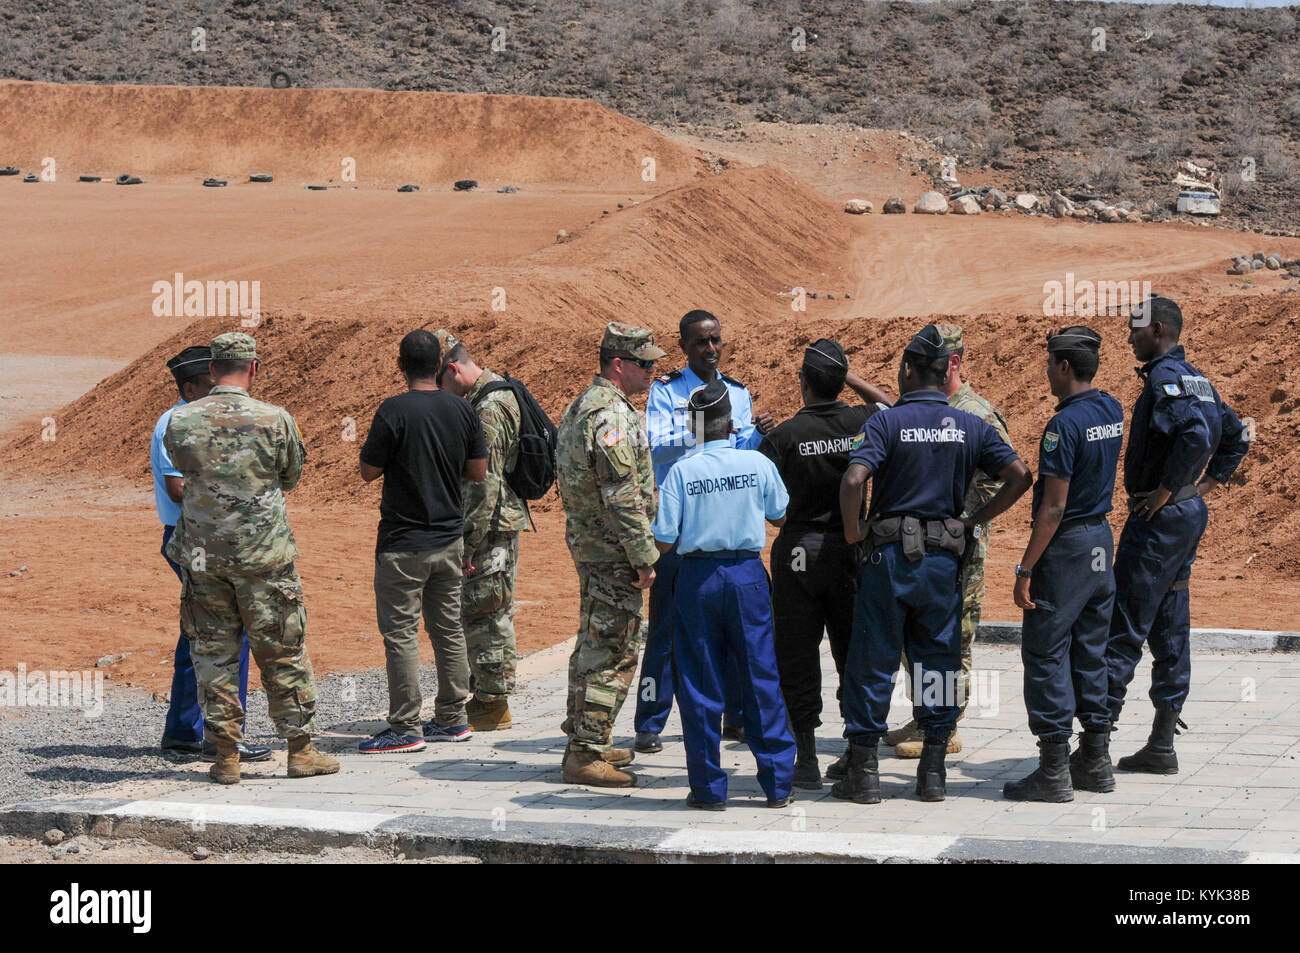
(697, 840)
(346, 822)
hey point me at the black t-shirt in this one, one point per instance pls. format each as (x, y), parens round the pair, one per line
(811, 451)
(422, 439)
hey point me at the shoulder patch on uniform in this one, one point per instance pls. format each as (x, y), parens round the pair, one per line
(858, 440)
(669, 377)
(1050, 441)
(612, 437)
(1173, 390)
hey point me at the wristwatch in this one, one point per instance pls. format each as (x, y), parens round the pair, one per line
(1022, 573)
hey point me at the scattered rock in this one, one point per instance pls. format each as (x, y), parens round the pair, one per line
(162, 697)
(561, 235)
(858, 207)
(894, 206)
(1026, 202)
(104, 661)
(201, 853)
(511, 190)
(1256, 264)
(67, 849)
(1111, 215)
(54, 836)
(964, 205)
(1273, 262)
(995, 198)
(1259, 256)
(931, 203)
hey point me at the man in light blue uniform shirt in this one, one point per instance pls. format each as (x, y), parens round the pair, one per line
(712, 506)
(671, 437)
(183, 730)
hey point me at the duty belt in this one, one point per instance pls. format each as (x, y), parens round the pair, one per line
(721, 554)
(1186, 493)
(916, 534)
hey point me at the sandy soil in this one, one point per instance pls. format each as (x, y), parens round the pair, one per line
(346, 272)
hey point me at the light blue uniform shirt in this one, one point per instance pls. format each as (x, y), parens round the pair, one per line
(168, 511)
(717, 497)
(669, 429)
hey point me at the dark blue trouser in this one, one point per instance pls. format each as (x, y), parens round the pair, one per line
(723, 612)
(912, 605)
(1063, 641)
(185, 715)
(654, 697)
(1152, 567)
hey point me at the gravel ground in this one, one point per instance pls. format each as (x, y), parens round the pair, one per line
(93, 850)
(58, 752)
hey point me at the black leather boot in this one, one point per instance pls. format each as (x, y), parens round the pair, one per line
(1050, 781)
(931, 778)
(1157, 755)
(1090, 767)
(807, 774)
(861, 782)
(839, 767)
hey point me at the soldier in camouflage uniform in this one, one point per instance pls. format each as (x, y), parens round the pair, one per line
(494, 517)
(606, 481)
(908, 740)
(238, 457)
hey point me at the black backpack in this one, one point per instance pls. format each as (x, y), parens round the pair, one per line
(534, 471)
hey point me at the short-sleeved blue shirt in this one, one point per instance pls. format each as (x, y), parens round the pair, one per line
(668, 425)
(1081, 444)
(717, 498)
(922, 454)
(161, 465)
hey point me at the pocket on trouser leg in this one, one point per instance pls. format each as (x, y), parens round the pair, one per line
(290, 609)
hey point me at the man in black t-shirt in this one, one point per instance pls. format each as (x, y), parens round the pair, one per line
(423, 443)
(814, 573)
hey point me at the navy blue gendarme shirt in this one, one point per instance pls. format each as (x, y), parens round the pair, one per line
(1081, 444)
(922, 454)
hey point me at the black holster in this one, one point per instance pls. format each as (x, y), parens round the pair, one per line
(916, 534)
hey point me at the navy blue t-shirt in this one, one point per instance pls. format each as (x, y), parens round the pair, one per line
(1081, 444)
(922, 454)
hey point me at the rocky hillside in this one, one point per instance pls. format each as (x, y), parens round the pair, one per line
(1093, 97)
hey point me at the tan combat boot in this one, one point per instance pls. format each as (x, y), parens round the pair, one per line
(619, 757)
(582, 766)
(226, 768)
(909, 732)
(305, 761)
(912, 749)
(489, 716)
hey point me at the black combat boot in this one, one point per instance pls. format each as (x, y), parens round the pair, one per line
(931, 778)
(1157, 755)
(839, 767)
(1050, 781)
(1090, 767)
(861, 782)
(807, 774)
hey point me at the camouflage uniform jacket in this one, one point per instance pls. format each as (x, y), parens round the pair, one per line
(982, 486)
(491, 506)
(238, 456)
(606, 479)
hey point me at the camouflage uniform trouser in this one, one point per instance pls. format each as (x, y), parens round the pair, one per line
(487, 615)
(215, 606)
(972, 602)
(604, 660)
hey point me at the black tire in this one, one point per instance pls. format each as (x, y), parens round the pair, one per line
(261, 177)
(408, 188)
(31, 177)
(8, 170)
(281, 80)
(89, 178)
(214, 183)
(316, 188)
(125, 179)
(464, 185)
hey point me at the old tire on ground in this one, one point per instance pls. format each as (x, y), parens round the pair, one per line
(281, 80)
(408, 188)
(316, 188)
(213, 183)
(89, 178)
(9, 170)
(125, 179)
(261, 177)
(31, 177)
(464, 185)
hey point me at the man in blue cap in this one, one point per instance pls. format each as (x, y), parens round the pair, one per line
(1183, 442)
(921, 455)
(670, 437)
(183, 729)
(712, 506)
(1065, 582)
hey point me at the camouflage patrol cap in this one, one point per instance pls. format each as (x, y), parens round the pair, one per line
(951, 334)
(446, 341)
(624, 340)
(234, 347)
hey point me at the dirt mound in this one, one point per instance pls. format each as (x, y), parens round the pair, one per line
(424, 137)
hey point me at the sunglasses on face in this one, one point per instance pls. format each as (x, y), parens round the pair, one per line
(644, 365)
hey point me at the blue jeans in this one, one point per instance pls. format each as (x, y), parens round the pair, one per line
(723, 612)
(1063, 640)
(1152, 567)
(185, 715)
(903, 604)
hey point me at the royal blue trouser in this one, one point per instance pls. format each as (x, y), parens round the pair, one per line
(1153, 565)
(1063, 640)
(723, 612)
(185, 715)
(654, 697)
(900, 604)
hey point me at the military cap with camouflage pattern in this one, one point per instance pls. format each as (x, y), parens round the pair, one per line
(234, 346)
(625, 340)
(951, 334)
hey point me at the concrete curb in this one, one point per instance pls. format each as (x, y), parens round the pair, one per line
(226, 828)
(1203, 640)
